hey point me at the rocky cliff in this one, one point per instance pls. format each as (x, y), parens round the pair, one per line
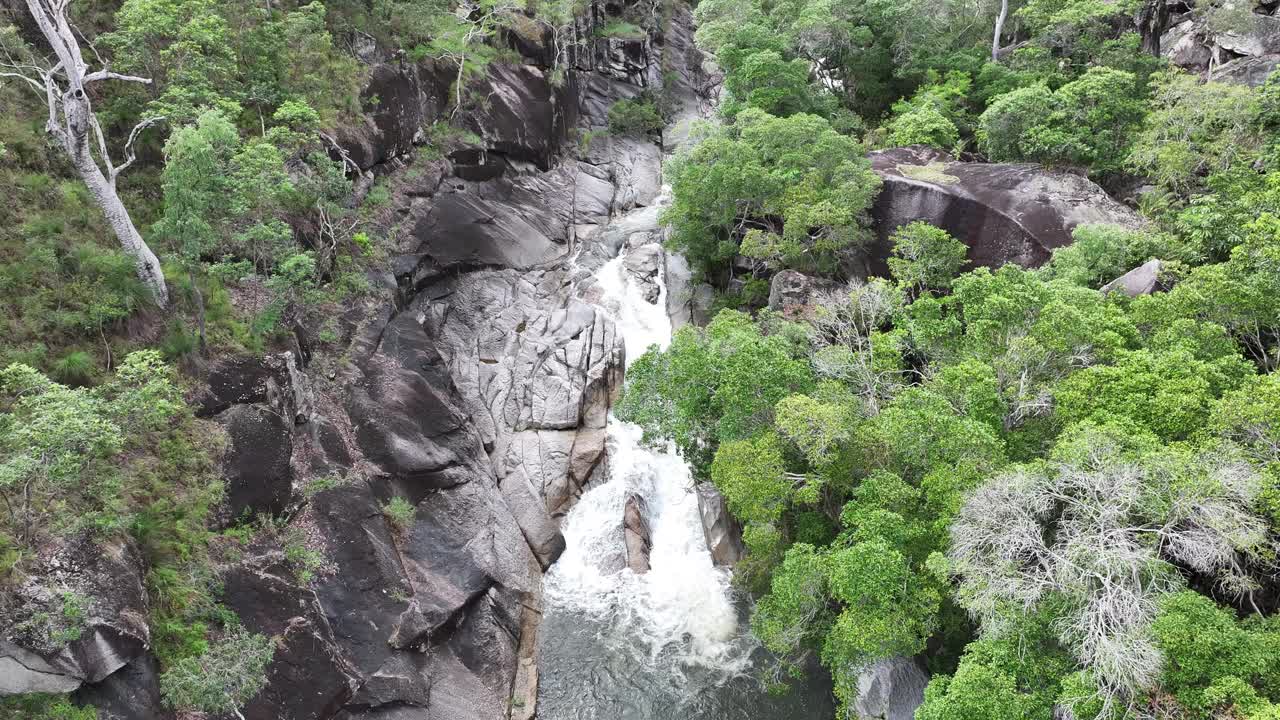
(473, 388)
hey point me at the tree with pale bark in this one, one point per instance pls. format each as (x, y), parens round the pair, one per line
(65, 81)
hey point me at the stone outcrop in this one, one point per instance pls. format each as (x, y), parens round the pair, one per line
(79, 617)
(276, 381)
(256, 467)
(308, 678)
(1004, 213)
(130, 693)
(538, 370)
(793, 293)
(724, 535)
(1142, 280)
(891, 690)
(636, 536)
(1230, 42)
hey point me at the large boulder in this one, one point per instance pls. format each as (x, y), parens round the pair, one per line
(275, 380)
(308, 678)
(723, 534)
(524, 117)
(1251, 71)
(405, 411)
(793, 293)
(256, 466)
(1142, 280)
(538, 370)
(636, 536)
(643, 264)
(891, 690)
(78, 618)
(1242, 46)
(399, 100)
(1005, 213)
(130, 693)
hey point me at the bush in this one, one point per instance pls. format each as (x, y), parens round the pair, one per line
(41, 706)
(637, 115)
(1087, 123)
(923, 125)
(1101, 253)
(74, 368)
(222, 679)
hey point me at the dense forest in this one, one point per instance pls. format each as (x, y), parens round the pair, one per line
(1066, 501)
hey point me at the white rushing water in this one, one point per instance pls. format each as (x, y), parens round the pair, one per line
(681, 613)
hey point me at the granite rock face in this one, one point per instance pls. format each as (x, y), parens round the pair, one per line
(1142, 280)
(891, 690)
(636, 535)
(793, 293)
(256, 465)
(724, 535)
(538, 370)
(41, 651)
(1004, 213)
(1242, 47)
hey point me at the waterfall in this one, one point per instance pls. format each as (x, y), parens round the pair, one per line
(680, 613)
(672, 643)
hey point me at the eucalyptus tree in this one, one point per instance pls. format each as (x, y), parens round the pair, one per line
(65, 81)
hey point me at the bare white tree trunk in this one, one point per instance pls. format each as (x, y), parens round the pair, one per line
(103, 190)
(995, 37)
(73, 123)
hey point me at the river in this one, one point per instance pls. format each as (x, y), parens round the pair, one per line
(672, 643)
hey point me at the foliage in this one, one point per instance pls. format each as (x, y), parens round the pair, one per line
(1196, 128)
(244, 59)
(637, 115)
(399, 512)
(925, 257)
(41, 706)
(792, 191)
(1106, 489)
(55, 436)
(1088, 122)
(712, 386)
(222, 679)
(1099, 254)
(1213, 661)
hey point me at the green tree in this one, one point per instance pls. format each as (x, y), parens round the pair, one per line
(713, 385)
(196, 196)
(925, 257)
(798, 189)
(1196, 128)
(1124, 513)
(1212, 661)
(58, 443)
(1099, 254)
(1088, 122)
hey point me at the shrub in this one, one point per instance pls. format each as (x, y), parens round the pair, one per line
(222, 679)
(74, 368)
(924, 125)
(637, 115)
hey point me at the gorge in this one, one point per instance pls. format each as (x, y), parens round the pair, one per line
(644, 360)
